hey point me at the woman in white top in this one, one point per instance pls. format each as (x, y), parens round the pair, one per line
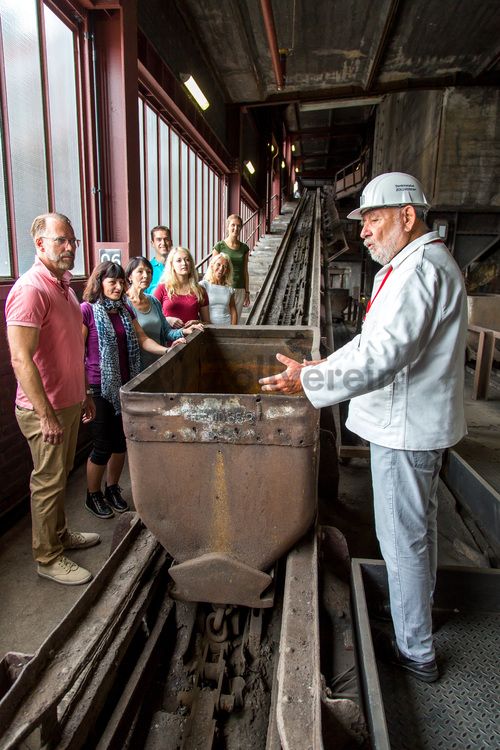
(218, 283)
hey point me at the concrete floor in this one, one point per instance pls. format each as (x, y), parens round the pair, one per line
(33, 606)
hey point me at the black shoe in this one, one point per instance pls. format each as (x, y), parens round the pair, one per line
(97, 505)
(113, 495)
(386, 649)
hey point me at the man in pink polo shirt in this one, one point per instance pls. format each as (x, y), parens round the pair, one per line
(44, 329)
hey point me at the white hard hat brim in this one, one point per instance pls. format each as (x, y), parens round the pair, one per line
(356, 214)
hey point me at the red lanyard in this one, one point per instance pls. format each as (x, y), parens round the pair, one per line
(371, 301)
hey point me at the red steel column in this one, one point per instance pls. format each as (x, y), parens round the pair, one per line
(234, 192)
(116, 41)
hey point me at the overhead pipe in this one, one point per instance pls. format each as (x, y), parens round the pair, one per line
(272, 40)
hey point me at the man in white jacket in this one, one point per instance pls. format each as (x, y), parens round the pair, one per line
(404, 376)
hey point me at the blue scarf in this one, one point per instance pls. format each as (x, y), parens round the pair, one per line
(109, 361)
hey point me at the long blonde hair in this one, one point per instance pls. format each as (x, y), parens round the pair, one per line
(169, 276)
(209, 273)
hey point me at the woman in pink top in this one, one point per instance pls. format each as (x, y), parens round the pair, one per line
(183, 300)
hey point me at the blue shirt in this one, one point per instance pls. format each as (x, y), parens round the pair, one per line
(158, 269)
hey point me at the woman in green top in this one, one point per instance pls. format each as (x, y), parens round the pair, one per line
(238, 253)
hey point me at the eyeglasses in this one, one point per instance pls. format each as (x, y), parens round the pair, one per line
(60, 241)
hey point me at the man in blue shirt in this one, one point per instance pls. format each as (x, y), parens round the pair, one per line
(161, 240)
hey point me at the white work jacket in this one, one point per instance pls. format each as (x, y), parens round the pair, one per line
(404, 372)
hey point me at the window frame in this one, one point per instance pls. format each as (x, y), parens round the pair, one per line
(78, 26)
(213, 194)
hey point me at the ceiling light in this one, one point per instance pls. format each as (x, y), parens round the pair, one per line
(250, 166)
(195, 91)
(282, 164)
(364, 101)
(293, 146)
(272, 148)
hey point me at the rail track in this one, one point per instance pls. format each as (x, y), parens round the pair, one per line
(290, 294)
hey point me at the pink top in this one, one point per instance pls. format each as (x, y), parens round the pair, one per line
(39, 300)
(183, 306)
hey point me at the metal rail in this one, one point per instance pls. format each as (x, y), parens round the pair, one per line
(290, 294)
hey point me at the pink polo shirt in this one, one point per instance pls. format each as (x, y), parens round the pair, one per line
(39, 300)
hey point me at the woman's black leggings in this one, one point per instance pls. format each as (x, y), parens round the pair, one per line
(106, 429)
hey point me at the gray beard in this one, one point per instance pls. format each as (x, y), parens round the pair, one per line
(385, 254)
(382, 257)
(63, 263)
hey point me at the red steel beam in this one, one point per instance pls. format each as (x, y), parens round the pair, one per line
(267, 13)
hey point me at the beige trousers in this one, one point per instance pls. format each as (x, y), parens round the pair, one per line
(51, 466)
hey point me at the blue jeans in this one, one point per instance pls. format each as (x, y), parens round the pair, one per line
(405, 496)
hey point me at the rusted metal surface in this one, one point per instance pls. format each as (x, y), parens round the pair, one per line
(208, 682)
(121, 719)
(298, 707)
(61, 690)
(215, 577)
(211, 456)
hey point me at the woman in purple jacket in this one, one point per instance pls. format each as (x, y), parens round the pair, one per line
(113, 338)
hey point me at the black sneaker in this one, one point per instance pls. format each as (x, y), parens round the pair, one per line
(97, 505)
(113, 495)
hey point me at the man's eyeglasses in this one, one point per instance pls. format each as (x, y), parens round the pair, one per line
(60, 241)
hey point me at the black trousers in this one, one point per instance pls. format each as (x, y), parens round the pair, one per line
(106, 429)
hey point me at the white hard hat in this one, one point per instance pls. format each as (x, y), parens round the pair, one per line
(390, 189)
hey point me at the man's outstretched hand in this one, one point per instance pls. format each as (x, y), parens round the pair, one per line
(287, 381)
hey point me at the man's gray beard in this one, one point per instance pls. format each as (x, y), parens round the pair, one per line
(386, 254)
(61, 262)
(384, 257)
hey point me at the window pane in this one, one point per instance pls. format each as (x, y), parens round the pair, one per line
(23, 84)
(174, 187)
(224, 207)
(164, 175)
(202, 250)
(5, 267)
(152, 167)
(192, 205)
(145, 243)
(185, 204)
(217, 206)
(213, 237)
(61, 76)
(206, 207)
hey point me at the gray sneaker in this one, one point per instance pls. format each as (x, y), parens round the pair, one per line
(65, 571)
(80, 539)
